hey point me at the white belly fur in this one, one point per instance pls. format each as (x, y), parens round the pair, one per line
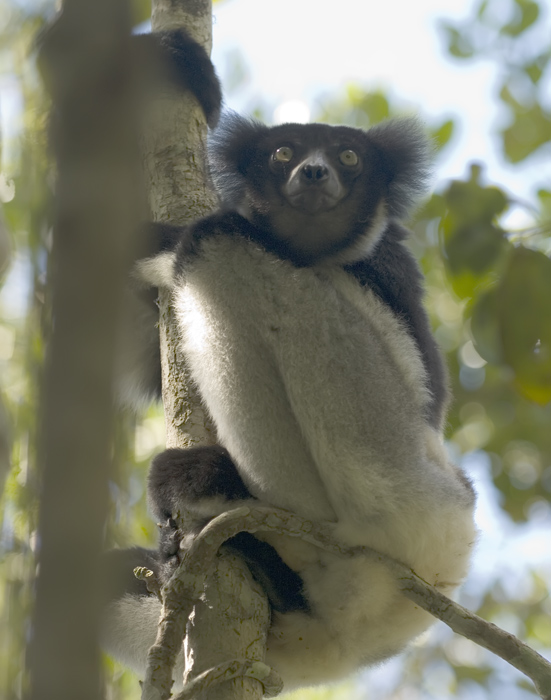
(317, 391)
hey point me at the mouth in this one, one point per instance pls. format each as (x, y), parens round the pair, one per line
(312, 201)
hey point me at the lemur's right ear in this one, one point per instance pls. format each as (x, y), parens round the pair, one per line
(405, 152)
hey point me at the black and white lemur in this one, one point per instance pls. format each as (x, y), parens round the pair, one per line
(301, 319)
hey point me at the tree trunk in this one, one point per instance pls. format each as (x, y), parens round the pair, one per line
(232, 621)
(84, 56)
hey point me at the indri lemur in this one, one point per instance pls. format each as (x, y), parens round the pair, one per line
(301, 319)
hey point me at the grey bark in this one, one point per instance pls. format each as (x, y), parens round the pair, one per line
(233, 610)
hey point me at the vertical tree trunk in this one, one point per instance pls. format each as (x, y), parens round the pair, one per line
(180, 192)
(85, 60)
(233, 621)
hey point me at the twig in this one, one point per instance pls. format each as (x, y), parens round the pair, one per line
(270, 680)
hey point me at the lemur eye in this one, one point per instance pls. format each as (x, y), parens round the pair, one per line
(283, 154)
(348, 157)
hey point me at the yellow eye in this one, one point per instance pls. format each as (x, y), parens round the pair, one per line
(348, 157)
(283, 154)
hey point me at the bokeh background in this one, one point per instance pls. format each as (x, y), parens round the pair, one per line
(478, 74)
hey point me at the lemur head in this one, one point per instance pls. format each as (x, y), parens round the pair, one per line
(320, 191)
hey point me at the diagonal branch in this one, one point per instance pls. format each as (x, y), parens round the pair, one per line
(188, 583)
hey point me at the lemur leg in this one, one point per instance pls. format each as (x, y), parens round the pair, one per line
(205, 482)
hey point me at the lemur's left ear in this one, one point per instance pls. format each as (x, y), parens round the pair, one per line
(406, 155)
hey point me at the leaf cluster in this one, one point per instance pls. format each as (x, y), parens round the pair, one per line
(510, 34)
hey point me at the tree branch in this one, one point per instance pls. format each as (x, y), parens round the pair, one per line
(188, 583)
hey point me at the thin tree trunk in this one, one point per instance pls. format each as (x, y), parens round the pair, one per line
(85, 60)
(233, 621)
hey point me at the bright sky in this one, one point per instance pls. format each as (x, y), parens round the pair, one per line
(299, 49)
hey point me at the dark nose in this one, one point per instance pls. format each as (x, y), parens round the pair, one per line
(314, 172)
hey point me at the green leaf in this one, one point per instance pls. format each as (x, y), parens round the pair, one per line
(531, 128)
(525, 319)
(485, 327)
(545, 200)
(474, 247)
(506, 96)
(375, 105)
(526, 13)
(511, 323)
(472, 240)
(470, 202)
(433, 208)
(459, 44)
(482, 9)
(534, 71)
(442, 134)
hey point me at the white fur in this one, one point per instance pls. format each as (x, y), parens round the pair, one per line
(318, 391)
(137, 356)
(157, 271)
(129, 629)
(365, 243)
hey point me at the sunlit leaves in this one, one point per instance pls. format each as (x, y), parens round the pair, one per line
(459, 44)
(466, 39)
(525, 14)
(535, 68)
(363, 108)
(512, 41)
(374, 104)
(358, 107)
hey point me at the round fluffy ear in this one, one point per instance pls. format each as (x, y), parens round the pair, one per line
(232, 149)
(406, 154)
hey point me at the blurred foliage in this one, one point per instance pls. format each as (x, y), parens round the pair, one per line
(488, 294)
(142, 10)
(25, 211)
(508, 33)
(25, 197)
(503, 276)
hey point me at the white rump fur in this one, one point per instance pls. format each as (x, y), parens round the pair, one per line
(157, 271)
(317, 391)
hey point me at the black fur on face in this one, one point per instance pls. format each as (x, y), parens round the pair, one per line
(313, 189)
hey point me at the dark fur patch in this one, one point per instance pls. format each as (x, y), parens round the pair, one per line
(393, 274)
(182, 477)
(175, 56)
